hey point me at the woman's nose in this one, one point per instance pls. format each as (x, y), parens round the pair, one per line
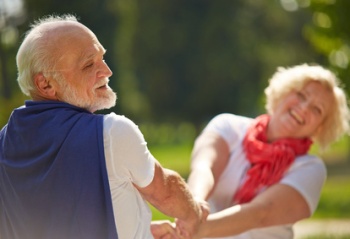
(304, 108)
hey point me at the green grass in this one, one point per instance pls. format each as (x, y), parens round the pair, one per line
(174, 156)
(328, 237)
(335, 198)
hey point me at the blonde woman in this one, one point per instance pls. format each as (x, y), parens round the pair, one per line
(257, 174)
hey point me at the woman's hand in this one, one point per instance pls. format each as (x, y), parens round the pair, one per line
(164, 229)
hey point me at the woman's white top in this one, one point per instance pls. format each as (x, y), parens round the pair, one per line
(307, 175)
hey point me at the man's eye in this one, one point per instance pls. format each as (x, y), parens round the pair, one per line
(89, 65)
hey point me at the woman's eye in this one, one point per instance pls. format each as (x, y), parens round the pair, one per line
(301, 95)
(317, 110)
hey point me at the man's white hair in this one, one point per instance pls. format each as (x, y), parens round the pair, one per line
(34, 55)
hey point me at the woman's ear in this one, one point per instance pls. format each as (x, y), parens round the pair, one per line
(44, 87)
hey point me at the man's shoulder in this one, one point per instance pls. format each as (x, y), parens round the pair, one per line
(113, 118)
(113, 122)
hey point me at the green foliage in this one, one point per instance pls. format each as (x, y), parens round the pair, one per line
(167, 133)
(336, 151)
(335, 198)
(329, 34)
(190, 60)
(7, 105)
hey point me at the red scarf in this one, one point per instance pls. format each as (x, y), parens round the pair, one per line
(268, 161)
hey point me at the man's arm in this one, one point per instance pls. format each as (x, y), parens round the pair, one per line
(169, 193)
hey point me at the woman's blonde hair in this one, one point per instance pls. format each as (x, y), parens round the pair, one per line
(285, 80)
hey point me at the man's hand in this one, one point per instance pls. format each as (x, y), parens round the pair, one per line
(187, 228)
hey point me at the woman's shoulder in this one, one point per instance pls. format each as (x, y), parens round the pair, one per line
(309, 166)
(231, 119)
(231, 116)
(229, 126)
(309, 160)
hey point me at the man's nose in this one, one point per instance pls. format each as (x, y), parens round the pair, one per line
(105, 71)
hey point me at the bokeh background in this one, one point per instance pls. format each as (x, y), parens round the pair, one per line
(176, 64)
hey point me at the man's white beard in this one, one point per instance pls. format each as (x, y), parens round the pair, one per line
(106, 101)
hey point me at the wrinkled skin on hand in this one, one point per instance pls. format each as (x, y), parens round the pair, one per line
(165, 229)
(185, 229)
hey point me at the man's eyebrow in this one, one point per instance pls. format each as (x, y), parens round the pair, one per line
(86, 58)
(102, 49)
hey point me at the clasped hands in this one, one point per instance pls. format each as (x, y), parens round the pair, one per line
(180, 229)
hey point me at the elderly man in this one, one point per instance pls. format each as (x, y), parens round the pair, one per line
(67, 173)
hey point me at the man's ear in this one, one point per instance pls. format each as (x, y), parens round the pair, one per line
(44, 86)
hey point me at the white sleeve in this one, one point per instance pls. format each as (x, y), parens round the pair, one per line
(307, 175)
(127, 150)
(229, 126)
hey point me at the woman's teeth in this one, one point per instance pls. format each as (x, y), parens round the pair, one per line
(297, 117)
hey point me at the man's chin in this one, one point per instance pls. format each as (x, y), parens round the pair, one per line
(111, 102)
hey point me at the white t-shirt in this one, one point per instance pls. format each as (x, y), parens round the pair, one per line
(307, 175)
(128, 162)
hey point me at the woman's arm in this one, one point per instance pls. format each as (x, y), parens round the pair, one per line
(164, 229)
(209, 158)
(279, 204)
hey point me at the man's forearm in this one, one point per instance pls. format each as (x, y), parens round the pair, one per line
(169, 193)
(177, 201)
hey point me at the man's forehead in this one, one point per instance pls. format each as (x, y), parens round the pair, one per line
(90, 52)
(78, 49)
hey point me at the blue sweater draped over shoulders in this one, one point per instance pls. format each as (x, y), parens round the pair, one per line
(53, 177)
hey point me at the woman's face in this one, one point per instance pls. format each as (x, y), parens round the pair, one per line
(300, 113)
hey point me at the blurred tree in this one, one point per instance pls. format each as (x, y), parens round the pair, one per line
(329, 33)
(193, 59)
(189, 60)
(11, 13)
(95, 14)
